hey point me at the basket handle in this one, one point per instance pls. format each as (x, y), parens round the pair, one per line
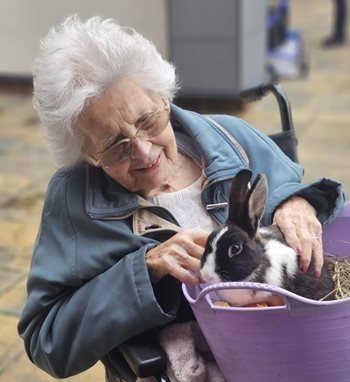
(292, 301)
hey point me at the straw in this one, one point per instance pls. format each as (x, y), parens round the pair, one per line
(339, 269)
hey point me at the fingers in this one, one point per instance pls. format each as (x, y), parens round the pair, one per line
(185, 268)
(185, 276)
(318, 255)
(179, 256)
(301, 244)
(290, 234)
(192, 241)
(200, 237)
(311, 247)
(302, 231)
(305, 253)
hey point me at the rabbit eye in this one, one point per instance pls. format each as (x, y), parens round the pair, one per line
(234, 249)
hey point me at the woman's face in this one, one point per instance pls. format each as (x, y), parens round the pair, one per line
(113, 115)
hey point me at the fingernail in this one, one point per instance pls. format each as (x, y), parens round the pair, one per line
(305, 268)
(317, 274)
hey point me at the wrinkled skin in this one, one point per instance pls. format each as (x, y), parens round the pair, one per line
(297, 220)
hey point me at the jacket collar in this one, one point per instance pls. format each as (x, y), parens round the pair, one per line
(107, 199)
(214, 145)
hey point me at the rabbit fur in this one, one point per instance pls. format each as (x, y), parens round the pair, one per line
(242, 251)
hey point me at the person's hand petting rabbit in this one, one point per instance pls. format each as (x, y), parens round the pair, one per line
(178, 256)
(297, 220)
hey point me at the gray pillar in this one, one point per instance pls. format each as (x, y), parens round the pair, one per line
(218, 46)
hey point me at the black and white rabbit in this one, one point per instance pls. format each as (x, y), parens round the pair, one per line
(241, 251)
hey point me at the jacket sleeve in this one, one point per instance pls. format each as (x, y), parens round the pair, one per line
(284, 175)
(71, 321)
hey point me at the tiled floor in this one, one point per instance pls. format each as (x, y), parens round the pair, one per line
(321, 111)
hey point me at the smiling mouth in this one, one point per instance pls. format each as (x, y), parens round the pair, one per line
(151, 166)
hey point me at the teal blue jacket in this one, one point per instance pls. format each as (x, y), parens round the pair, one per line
(89, 289)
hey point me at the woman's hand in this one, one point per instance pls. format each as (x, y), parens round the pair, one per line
(179, 256)
(297, 220)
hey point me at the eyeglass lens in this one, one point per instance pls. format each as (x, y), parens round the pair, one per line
(150, 128)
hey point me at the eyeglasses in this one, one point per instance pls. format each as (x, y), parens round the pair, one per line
(121, 149)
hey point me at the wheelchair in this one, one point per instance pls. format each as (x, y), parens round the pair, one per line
(142, 356)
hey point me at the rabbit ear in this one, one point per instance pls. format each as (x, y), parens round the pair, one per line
(238, 197)
(247, 203)
(256, 201)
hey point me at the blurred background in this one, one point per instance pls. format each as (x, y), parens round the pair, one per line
(220, 49)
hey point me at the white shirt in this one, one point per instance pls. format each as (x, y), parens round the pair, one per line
(186, 206)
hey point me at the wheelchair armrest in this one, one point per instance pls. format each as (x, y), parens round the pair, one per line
(144, 355)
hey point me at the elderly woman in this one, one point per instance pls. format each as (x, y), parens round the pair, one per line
(141, 183)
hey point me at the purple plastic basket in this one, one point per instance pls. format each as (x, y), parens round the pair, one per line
(336, 236)
(303, 341)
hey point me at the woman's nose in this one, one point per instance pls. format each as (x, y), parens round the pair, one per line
(140, 149)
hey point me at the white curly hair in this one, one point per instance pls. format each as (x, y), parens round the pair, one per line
(79, 60)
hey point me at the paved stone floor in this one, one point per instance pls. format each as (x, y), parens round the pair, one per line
(321, 111)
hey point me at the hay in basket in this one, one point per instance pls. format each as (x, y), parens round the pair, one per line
(339, 268)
